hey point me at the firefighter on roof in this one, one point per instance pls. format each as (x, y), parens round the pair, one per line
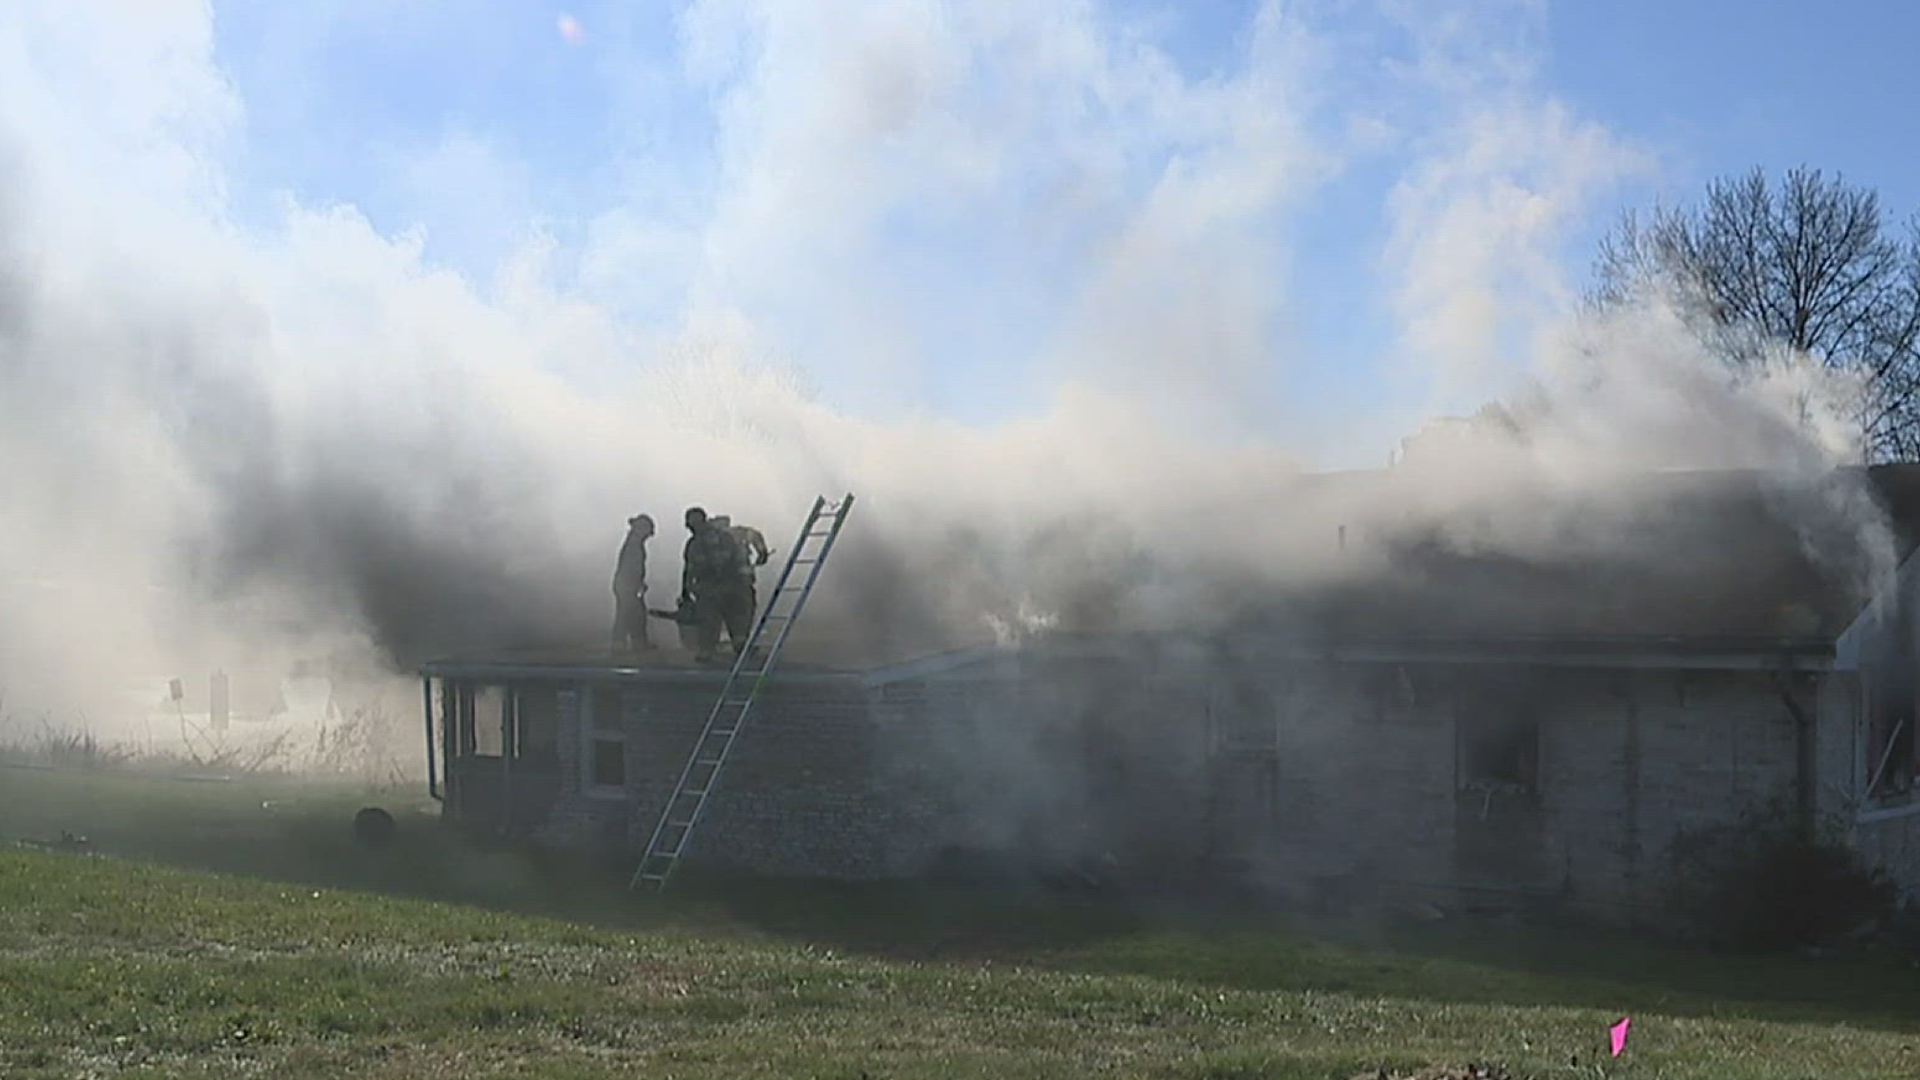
(630, 587)
(713, 583)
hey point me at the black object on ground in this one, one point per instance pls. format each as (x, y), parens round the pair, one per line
(373, 826)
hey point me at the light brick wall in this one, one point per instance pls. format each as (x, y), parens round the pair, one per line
(1366, 779)
(800, 793)
(1704, 747)
(830, 779)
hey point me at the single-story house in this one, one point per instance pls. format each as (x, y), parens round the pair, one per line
(1472, 725)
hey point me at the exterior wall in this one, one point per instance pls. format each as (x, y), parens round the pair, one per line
(1885, 642)
(1672, 753)
(1884, 830)
(1892, 843)
(579, 816)
(799, 796)
(795, 796)
(1369, 781)
(1303, 774)
(830, 779)
(1071, 763)
(1363, 780)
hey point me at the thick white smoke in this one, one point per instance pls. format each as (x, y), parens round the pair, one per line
(233, 435)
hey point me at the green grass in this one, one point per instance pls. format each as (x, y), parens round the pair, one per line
(497, 963)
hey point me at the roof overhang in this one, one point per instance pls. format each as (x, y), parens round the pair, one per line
(503, 671)
(1638, 652)
(479, 669)
(1648, 655)
(1617, 653)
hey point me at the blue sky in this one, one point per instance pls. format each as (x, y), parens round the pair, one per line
(476, 122)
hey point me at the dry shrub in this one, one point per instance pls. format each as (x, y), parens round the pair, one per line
(1767, 883)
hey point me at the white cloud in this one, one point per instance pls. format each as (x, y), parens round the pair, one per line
(1480, 217)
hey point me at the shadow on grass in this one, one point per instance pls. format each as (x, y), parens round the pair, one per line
(303, 834)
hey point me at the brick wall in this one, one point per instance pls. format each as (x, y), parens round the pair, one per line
(1312, 772)
(1367, 776)
(800, 794)
(830, 779)
(1363, 780)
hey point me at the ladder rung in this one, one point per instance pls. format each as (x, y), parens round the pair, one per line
(683, 823)
(697, 793)
(707, 761)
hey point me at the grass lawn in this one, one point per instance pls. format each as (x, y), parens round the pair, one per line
(298, 959)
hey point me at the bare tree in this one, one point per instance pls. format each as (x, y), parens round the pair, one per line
(1807, 266)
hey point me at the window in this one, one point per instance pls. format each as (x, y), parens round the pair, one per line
(609, 762)
(1890, 743)
(478, 717)
(536, 724)
(1498, 750)
(489, 704)
(606, 756)
(479, 712)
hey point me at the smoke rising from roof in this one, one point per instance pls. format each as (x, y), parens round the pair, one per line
(229, 432)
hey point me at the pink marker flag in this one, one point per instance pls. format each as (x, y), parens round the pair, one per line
(1619, 1033)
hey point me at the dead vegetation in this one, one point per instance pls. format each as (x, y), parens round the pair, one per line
(355, 743)
(1768, 883)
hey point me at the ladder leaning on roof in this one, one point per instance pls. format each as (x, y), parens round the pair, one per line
(750, 669)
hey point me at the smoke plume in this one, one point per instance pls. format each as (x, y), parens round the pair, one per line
(245, 423)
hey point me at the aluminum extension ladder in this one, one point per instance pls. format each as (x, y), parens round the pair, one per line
(750, 669)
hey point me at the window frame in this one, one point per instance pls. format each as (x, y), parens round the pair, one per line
(593, 735)
(478, 720)
(550, 750)
(1467, 779)
(1889, 723)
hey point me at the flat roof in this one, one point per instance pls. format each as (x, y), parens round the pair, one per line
(800, 662)
(666, 663)
(675, 665)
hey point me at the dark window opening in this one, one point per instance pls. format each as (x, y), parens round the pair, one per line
(608, 762)
(463, 721)
(1499, 751)
(536, 725)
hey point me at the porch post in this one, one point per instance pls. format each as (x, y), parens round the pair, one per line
(426, 695)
